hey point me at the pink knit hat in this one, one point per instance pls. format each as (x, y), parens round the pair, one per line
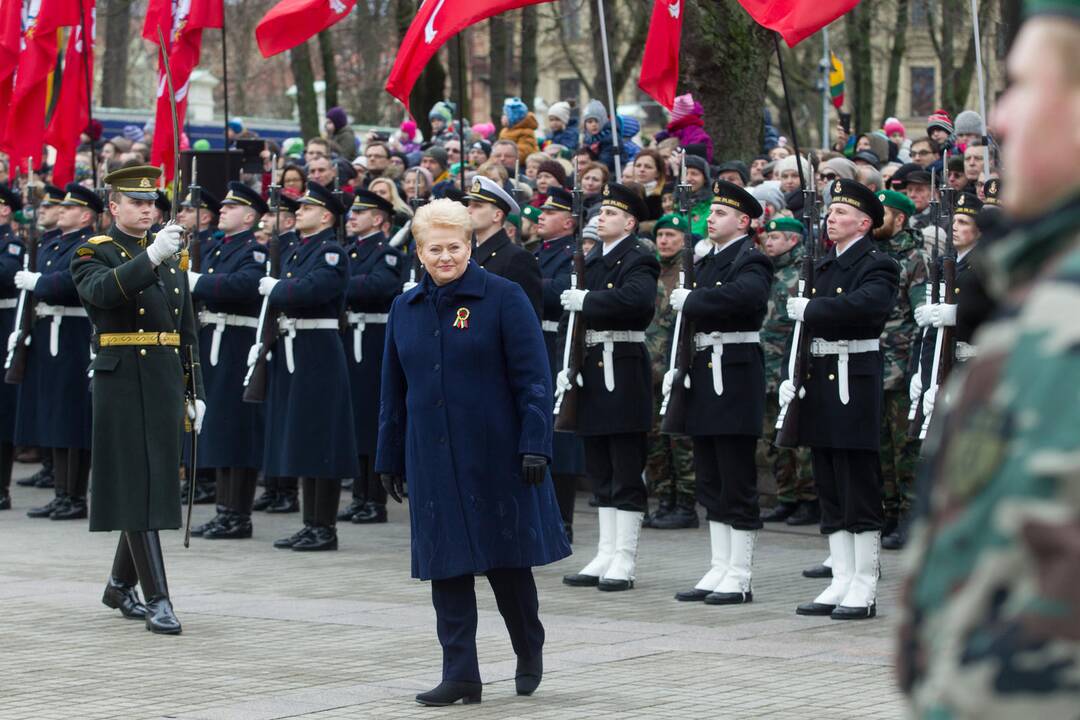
(684, 105)
(892, 125)
(484, 130)
(408, 129)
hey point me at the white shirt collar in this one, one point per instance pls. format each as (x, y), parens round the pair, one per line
(717, 249)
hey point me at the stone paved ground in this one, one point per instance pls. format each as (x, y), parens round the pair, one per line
(275, 634)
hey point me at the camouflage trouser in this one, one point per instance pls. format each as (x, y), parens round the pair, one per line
(791, 468)
(669, 466)
(899, 455)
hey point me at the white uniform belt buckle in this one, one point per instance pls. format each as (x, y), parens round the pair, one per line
(717, 340)
(842, 349)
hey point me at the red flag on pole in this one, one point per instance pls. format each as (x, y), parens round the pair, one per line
(796, 20)
(660, 63)
(292, 22)
(71, 114)
(182, 28)
(436, 22)
(10, 41)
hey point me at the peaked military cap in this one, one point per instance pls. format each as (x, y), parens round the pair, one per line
(288, 201)
(241, 194)
(990, 192)
(619, 196)
(858, 196)
(53, 195)
(897, 201)
(733, 196)
(968, 204)
(137, 181)
(558, 199)
(673, 221)
(10, 198)
(163, 203)
(206, 201)
(484, 189)
(367, 200)
(79, 196)
(323, 197)
(785, 224)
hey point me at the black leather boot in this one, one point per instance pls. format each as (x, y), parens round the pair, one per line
(7, 456)
(5, 500)
(326, 495)
(528, 674)
(352, 509)
(449, 692)
(120, 593)
(146, 551)
(286, 543)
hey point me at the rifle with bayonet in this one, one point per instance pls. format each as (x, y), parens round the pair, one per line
(673, 407)
(566, 403)
(416, 202)
(915, 413)
(15, 363)
(195, 193)
(256, 378)
(945, 341)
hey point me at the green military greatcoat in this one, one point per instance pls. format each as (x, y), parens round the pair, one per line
(138, 390)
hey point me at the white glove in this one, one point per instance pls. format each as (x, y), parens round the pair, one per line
(678, 298)
(196, 415)
(928, 399)
(12, 339)
(166, 242)
(408, 285)
(669, 381)
(573, 300)
(193, 278)
(943, 315)
(915, 388)
(562, 381)
(796, 307)
(253, 354)
(787, 392)
(26, 280)
(266, 285)
(922, 315)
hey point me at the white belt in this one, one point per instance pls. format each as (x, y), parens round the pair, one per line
(608, 338)
(9, 303)
(550, 325)
(58, 313)
(717, 341)
(965, 351)
(288, 326)
(220, 321)
(842, 349)
(359, 321)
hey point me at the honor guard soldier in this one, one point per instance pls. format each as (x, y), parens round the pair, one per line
(11, 261)
(615, 406)
(227, 290)
(139, 302)
(374, 281)
(48, 213)
(59, 355)
(205, 216)
(854, 291)
(489, 206)
(309, 431)
(555, 228)
(726, 406)
(162, 209)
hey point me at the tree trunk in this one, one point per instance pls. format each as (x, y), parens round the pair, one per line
(498, 31)
(114, 72)
(304, 77)
(1009, 15)
(896, 58)
(329, 64)
(726, 60)
(430, 86)
(530, 29)
(858, 25)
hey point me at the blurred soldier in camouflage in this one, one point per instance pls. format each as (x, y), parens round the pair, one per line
(992, 616)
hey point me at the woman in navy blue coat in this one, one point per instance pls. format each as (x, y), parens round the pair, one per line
(466, 415)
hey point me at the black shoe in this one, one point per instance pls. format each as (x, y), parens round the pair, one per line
(46, 510)
(842, 612)
(897, 539)
(205, 494)
(780, 512)
(234, 527)
(818, 572)
(579, 580)
(285, 504)
(5, 501)
(356, 506)
(160, 617)
(528, 674)
(665, 507)
(606, 585)
(680, 518)
(732, 598)
(691, 595)
(221, 518)
(449, 692)
(73, 509)
(288, 542)
(37, 477)
(890, 526)
(264, 501)
(809, 513)
(372, 513)
(45, 479)
(815, 608)
(318, 540)
(125, 599)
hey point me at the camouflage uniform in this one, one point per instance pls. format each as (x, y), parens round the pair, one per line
(791, 468)
(669, 467)
(899, 454)
(992, 619)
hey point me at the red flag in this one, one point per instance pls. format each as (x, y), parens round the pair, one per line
(71, 113)
(796, 20)
(660, 63)
(292, 22)
(436, 22)
(182, 29)
(10, 41)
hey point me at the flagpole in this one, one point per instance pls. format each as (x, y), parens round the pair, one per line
(790, 115)
(826, 66)
(225, 86)
(615, 135)
(88, 50)
(461, 107)
(982, 85)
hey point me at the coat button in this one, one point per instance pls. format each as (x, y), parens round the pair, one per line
(173, 270)
(437, 367)
(956, 291)
(717, 284)
(813, 291)
(831, 376)
(600, 364)
(611, 285)
(436, 333)
(710, 365)
(176, 311)
(176, 290)
(142, 352)
(142, 311)
(217, 252)
(123, 254)
(288, 274)
(352, 255)
(210, 270)
(48, 262)
(839, 291)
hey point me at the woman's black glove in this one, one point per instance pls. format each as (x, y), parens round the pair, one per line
(532, 469)
(394, 485)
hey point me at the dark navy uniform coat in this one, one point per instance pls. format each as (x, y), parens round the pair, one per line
(309, 419)
(500, 255)
(11, 261)
(460, 406)
(232, 431)
(374, 281)
(731, 294)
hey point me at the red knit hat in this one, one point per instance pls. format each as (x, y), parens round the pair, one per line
(939, 118)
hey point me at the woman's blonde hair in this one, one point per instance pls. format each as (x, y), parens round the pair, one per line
(443, 213)
(494, 170)
(395, 198)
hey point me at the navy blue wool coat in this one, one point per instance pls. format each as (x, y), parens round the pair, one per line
(460, 406)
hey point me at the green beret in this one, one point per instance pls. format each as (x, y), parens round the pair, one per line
(673, 221)
(897, 201)
(531, 213)
(1060, 8)
(786, 224)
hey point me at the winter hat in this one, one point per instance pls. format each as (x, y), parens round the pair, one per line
(595, 110)
(484, 130)
(843, 168)
(792, 163)
(438, 154)
(293, 147)
(201, 145)
(515, 110)
(133, 133)
(589, 231)
(442, 110)
(337, 116)
(892, 125)
(408, 129)
(768, 194)
(879, 143)
(969, 122)
(236, 125)
(94, 130)
(940, 119)
(560, 110)
(553, 168)
(684, 106)
(699, 163)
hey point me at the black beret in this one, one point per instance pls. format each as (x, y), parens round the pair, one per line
(733, 196)
(619, 196)
(860, 197)
(968, 204)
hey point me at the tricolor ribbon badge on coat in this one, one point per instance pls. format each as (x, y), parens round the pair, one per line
(461, 322)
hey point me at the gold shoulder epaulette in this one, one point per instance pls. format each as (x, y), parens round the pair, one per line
(98, 239)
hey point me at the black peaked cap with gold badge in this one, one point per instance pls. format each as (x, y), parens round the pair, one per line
(623, 198)
(558, 199)
(80, 196)
(10, 198)
(206, 201)
(733, 196)
(323, 197)
(367, 200)
(241, 194)
(860, 197)
(53, 195)
(138, 181)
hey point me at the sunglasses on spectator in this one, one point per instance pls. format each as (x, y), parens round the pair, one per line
(828, 177)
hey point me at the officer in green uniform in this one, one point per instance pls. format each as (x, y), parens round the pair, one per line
(138, 300)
